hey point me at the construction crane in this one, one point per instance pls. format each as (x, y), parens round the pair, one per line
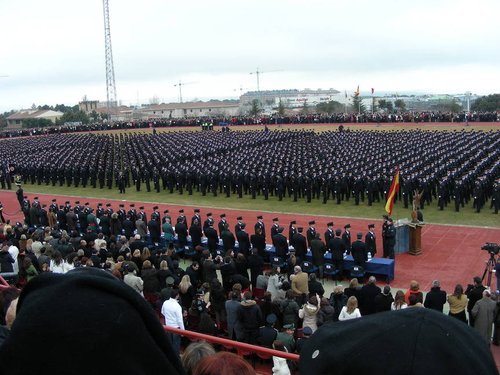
(180, 84)
(257, 74)
(110, 70)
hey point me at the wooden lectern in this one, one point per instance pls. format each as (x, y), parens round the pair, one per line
(415, 238)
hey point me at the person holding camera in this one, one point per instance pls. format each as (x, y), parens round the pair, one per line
(474, 292)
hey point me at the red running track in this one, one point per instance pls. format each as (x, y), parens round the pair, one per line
(451, 254)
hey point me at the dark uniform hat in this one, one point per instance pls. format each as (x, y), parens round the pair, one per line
(432, 344)
(330, 224)
(239, 218)
(260, 217)
(293, 222)
(300, 229)
(222, 215)
(181, 211)
(209, 214)
(155, 207)
(275, 219)
(371, 226)
(196, 210)
(347, 226)
(165, 212)
(312, 222)
(141, 208)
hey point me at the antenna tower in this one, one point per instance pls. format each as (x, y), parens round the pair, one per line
(110, 70)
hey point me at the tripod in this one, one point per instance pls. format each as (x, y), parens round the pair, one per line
(489, 269)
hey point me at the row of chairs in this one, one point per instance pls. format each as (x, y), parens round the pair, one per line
(329, 269)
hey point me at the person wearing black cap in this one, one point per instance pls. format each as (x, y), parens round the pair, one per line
(267, 333)
(329, 234)
(300, 245)
(311, 232)
(432, 344)
(258, 242)
(182, 218)
(260, 225)
(359, 251)
(196, 216)
(208, 222)
(390, 238)
(110, 315)
(237, 227)
(196, 233)
(274, 227)
(370, 241)
(384, 230)
(346, 237)
(222, 223)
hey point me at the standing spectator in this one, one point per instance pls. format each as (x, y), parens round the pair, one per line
(274, 282)
(309, 313)
(474, 292)
(289, 309)
(256, 265)
(338, 300)
(399, 301)
(300, 284)
(172, 312)
(250, 318)
(132, 280)
(367, 296)
(280, 366)
(233, 324)
(315, 287)
(350, 310)
(484, 313)
(186, 292)
(353, 289)
(414, 290)
(458, 303)
(435, 298)
(326, 312)
(384, 300)
(6, 260)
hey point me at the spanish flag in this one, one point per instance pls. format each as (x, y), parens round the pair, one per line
(356, 93)
(392, 192)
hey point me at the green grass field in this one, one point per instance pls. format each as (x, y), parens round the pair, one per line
(466, 216)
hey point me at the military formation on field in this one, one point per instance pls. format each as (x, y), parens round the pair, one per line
(453, 167)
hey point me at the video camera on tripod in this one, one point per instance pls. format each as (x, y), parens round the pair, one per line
(492, 248)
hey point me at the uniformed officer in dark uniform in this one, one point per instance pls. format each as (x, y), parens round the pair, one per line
(370, 240)
(311, 233)
(329, 234)
(346, 237)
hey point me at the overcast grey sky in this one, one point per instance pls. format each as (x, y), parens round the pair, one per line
(53, 50)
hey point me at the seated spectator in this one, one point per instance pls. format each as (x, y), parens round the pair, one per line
(194, 353)
(111, 315)
(350, 310)
(421, 338)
